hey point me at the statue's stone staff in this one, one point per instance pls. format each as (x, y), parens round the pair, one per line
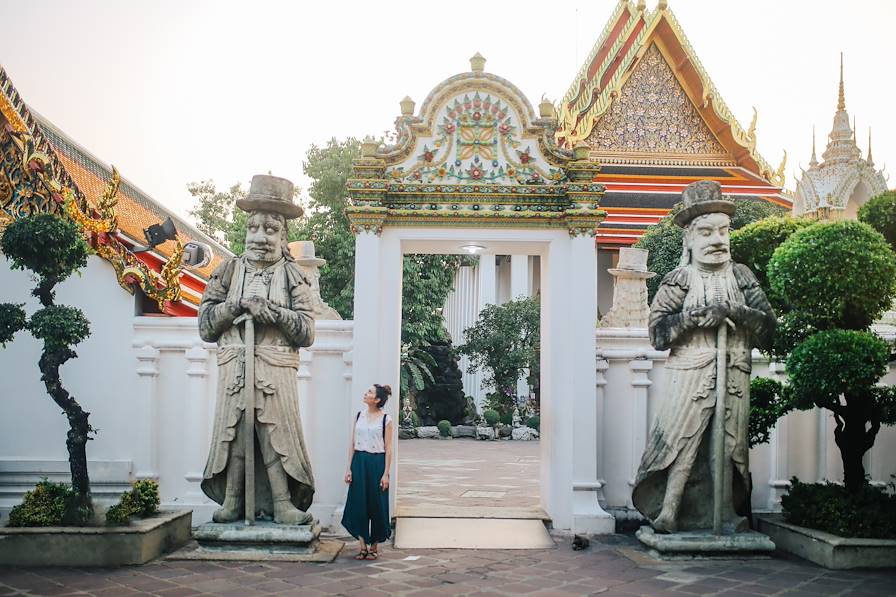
(258, 464)
(697, 452)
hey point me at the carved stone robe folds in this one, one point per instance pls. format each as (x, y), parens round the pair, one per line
(682, 426)
(276, 382)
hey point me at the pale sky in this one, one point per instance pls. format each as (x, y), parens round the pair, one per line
(178, 90)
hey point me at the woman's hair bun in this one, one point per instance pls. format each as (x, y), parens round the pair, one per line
(388, 389)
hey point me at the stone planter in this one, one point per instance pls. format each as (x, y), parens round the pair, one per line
(141, 541)
(825, 549)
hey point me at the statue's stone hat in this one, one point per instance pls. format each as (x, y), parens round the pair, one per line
(632, 263)
(303, 252)
(702, 197)
(270, 193)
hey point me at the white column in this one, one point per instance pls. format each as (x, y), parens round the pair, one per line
(197, 378)
(367, 315)
(580, 351)
(487, 286)
(146, 459)
(601, 420)
(779, 476)
(519, 276)
(640, 381)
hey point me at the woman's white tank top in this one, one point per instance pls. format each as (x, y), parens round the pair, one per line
(369, 433)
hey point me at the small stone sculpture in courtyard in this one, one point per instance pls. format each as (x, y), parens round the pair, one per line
(629, 308)
(303, 253)
(258, 307)
(710, 312)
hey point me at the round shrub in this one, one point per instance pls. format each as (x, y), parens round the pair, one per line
(880, 214)
(147, 494)
(506, 418)
(50, 246)
(59, 326)
(834, 362)
(46, 505)
(12, 320)
(769, 401)
(534, 422)
(839, 275)
(444, 428)
(754, 244)
(491, 417)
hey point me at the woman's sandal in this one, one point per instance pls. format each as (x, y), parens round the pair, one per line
(372, 554)
(362, 554)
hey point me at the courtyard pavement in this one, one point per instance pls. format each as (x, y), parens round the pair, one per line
(612, 565)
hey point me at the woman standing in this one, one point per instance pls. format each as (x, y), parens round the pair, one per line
(366, 514)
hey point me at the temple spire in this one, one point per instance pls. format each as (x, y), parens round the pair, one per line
(841, 99)
(870, 160)
(814, 160)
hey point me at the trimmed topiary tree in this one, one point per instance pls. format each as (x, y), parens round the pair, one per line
(443, 396)
(880, 213)
(53, 249)
(838, 278)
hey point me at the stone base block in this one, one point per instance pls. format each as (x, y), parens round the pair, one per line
(263, 536)
(139, 542)
(704, 544)
(830, 551)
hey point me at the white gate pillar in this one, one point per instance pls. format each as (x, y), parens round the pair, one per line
(588, 516)
(519, 287)
(368, 282)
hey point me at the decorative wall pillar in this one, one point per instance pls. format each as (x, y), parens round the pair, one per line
(519, 287)
(197, 415)
(368, 284)
(640, 379)
(601, 384)
(146, 458)
(779, 448)
(487, 282)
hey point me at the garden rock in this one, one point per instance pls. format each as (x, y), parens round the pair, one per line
(485, 433)
(428, 432)
(463, 431)
(504, 431)
(524, 434)
(407, 433)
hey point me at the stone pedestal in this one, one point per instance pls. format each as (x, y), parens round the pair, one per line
(704, 544)
(262, 537)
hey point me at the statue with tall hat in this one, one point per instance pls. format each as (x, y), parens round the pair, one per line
(258, 307)
(710, 312)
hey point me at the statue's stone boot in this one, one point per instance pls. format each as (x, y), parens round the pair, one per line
(284, 511)
(665, 523)
(234, 503)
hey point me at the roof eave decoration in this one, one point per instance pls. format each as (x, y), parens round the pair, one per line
(33, 180)
(587, 100)
(476, 155)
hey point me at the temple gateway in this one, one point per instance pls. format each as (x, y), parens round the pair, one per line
(545, 194)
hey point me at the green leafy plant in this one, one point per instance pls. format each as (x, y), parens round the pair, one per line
(444, 428)
(534, 422)
(838, 278)
(53, 248)
(443, 396)
(504, 344)
(506, 417)
(769, 401)
(491, 417)
(48, 504)
(147, 493)
(880, 213)
(868, 512)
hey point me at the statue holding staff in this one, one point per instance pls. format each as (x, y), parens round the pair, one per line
(710, 312)
(258, 455)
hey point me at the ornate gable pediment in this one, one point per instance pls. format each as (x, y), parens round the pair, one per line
(653, 115)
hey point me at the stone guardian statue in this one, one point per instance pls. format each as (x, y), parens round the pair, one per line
(263, 297)
(710, 312)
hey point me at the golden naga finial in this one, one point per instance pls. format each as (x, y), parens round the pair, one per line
(841, 99)
(751, 132)
(662, 5)
(477, 63)
(779, 177)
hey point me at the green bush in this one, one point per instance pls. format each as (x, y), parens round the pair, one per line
(444, 428)
(835, 363)
(59, 326)
(491, 417)
(50, 246)
(147, 492)
(829, 507)
(769, 401)
(506, 418)
(534, 422)
(118, 515)
(128, 505)
(47, 505)
(12, 320)
(838, 275)
(754, 244)
(880, 214)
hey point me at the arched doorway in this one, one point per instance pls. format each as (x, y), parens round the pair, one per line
(476, 166)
